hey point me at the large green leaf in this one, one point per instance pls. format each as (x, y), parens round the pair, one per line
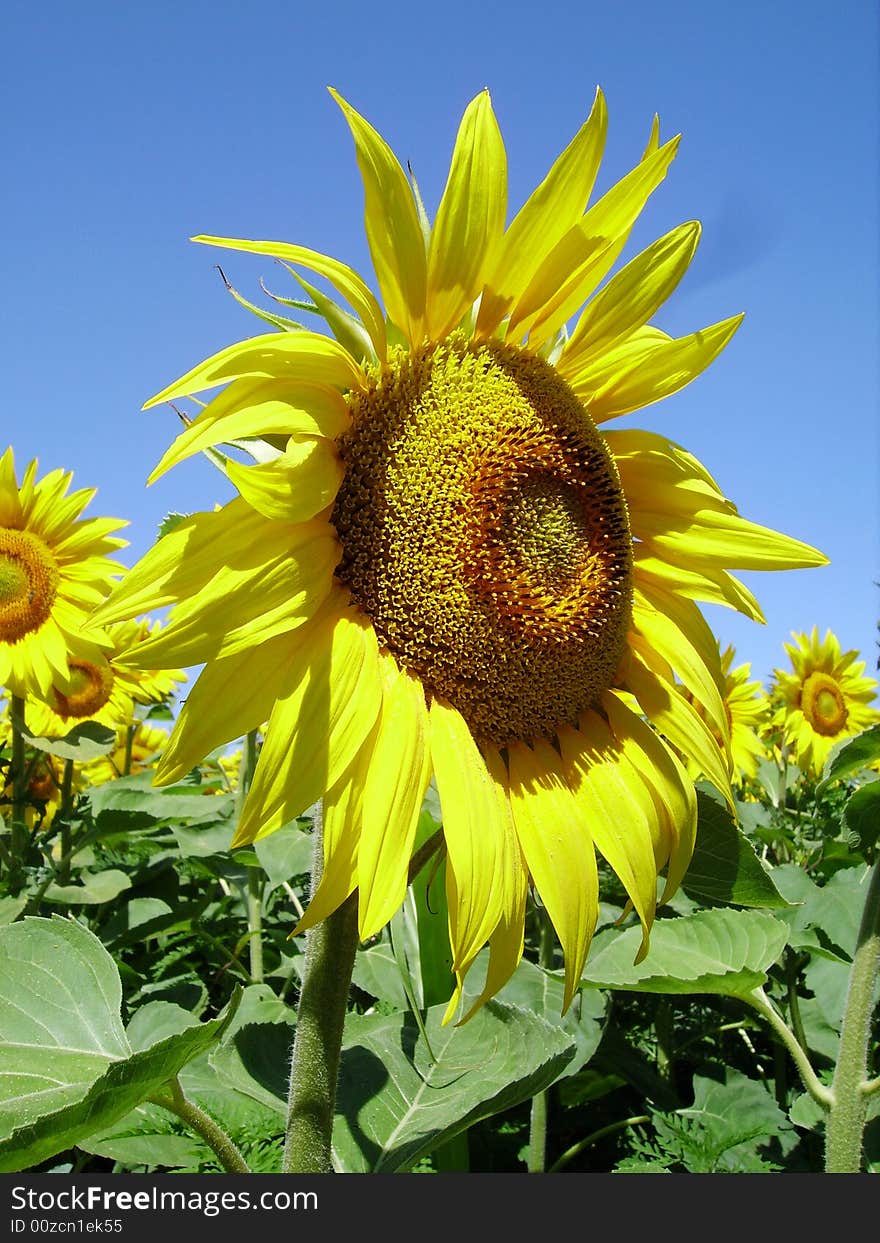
(69, 1067)
(851, 756)
(395, 1103)
(533, 988)
(862, 814)
(724, 867)
(134, 802)
(86, 741)
(92, 889)
(715, 951)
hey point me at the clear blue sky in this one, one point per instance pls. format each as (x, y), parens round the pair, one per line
(128, 128)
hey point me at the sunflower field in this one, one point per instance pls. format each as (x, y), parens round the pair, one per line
(403, 813)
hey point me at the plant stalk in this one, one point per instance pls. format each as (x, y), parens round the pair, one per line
(65, 844)
(329, 961)
(845, 1125)
(204, 1126)
(20, 837)
(255, 879)
(537, 1154)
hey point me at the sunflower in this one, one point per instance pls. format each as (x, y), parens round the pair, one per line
(104, 689)
(450, 570)
(822, 699)
(747, 709)
(54, 569)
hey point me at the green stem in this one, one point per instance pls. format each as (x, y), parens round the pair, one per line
(20, 836)
(255, 925)
(844, 1129)
(130, 732)
(255, 879)
(576, 1149)
(329, 961)
(65, 845)
(203, 1125)
(537, 1155)
(759, 1000)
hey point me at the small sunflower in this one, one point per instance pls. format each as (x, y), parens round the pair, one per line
(54, 569)
(104, 689)
(822, 699)
(747, 708)
(450, 569)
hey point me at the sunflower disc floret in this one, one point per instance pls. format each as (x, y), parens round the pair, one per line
(485, 535)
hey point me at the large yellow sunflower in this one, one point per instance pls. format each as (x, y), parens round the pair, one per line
(747, 708)
(822, 699)
(54, 569)
(449, 569)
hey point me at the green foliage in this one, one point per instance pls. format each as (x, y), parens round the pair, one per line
(659, 1066)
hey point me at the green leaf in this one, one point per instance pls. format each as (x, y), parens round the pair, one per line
(862, 814)
(394, 1104)
(377, 973)
(69, 1068)
(533, 988)
(255, 1060)
(145, 1137)
(850, 756)
(724, 867)
(169, 522)
(139, 799)
(11, 908)
(85, 742)
(95, 888)
(285, 854)
(714, 951)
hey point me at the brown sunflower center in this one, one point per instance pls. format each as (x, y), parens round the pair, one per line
(485, 534)
(823, 705)
(28, 583)
(90, 688)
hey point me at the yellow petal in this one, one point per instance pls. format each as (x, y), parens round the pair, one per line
(676, 718)
(548, 213)
(394, 234)
(558, 848)
(506, 942)
(395, 787)
(674, 797)
(255, 408)
(470, 218)
(711, 586)
(584, 255)
(230, 698)
(318, 726)
(340, 836)
(10, 503)
(349, 284)
(295, 486)
(184, 560)
(473, 827)
(252, 595)
(631, 297)
(718, 539)
(678, 631)
(305, 356)
(614, 810)
(640, 377)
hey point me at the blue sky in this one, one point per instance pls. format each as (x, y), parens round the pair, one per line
(127, 129)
